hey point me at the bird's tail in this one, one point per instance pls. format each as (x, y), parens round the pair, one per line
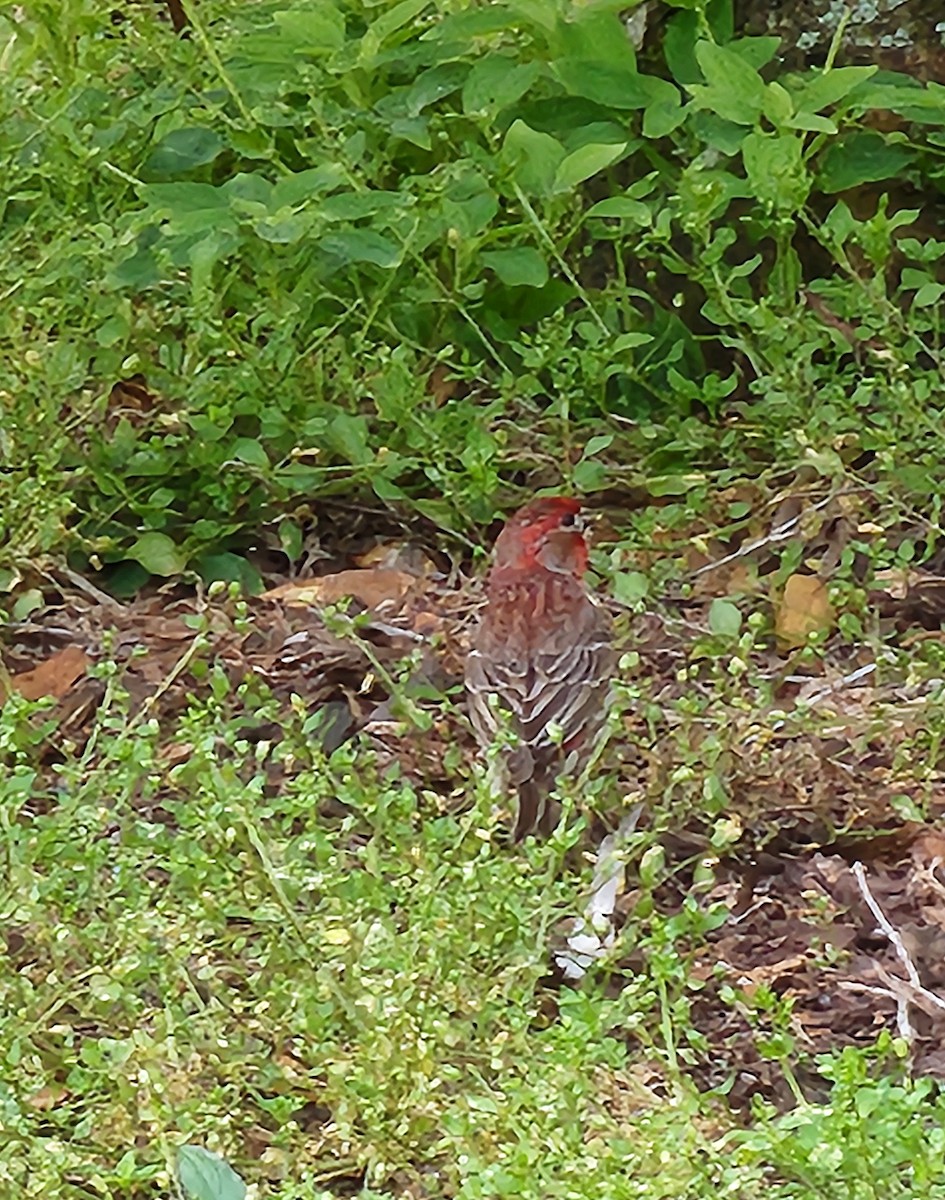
(537, 811)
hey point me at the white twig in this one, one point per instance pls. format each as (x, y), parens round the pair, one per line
(859, 873)
(778, 534)
(903, 991)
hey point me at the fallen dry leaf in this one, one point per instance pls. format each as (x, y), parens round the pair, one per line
(372, 586)
(396, 556)
(54, 677)
(47, 1098)
(804, 608)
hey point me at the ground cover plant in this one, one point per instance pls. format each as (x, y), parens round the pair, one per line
(296, 289)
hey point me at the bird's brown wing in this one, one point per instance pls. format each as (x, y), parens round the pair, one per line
(545, 652)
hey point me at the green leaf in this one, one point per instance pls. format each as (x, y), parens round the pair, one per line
(522, 266)
(469, 204)
(434, 84)
(157, 553)
(613, 86)
(775, 168)
(348, 435)
(316, 30)
(588, 475)
(725, 618)
(591, 30)
(929, 293)
(285, 229)
(757, 52)
(229, 568)
(361, 245)
(352, 206)
(473, 23)
(182, 150)
(183, 199)
(585, 162)
(251, 452)
(622, 207)
(204, 1175)
(495, 82)
(905, 96)
(861, 156)
(597, 443)
(663, 116)
(735, 90)
(533, 158)
(630, 587)
(830, 87)
(249, 187)
(304, 185)
(679, 47)
(387, 23)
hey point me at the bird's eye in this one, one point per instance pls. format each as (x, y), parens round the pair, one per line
(573, 521)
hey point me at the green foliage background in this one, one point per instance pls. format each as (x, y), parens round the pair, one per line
(286, 220)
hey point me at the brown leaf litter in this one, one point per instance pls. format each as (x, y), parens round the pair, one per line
(806, 764)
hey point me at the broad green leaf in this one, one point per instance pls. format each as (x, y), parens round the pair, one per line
(630, 341)
(137, 272)
(351, 206)
(251, 452)
(473, 23)
(249, 187)
(533, 158)
(663, 116)
(204, 1175)
(362, 245)
(929, 293)
(303, 185)
(182, 150)
(469, 204)
(590, 31)
(812, 123)
(348, 435)
(521, 266)
(623, 207)
(830, 87)
(735, 90)
(612, 86)
(495, 82)
(386, 24)
(776, 170)
(597, 443)
(229, 568)
(316, 30)
(679, 47)
(583, 163)
(861, 156)
(839, 224)
(589, 475)
(434, 84)
(903, 95)
(180, 199)
(757, 52)
(415, 130)
(630, 587)
(285, 228)
(778, 105)
(157, 553)
(725, 618)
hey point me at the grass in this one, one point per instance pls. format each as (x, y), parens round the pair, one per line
(428, 258)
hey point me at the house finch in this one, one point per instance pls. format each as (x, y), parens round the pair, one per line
(542, 653)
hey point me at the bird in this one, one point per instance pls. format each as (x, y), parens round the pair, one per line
(543, 655)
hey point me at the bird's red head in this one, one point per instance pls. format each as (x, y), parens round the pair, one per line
(547, 533)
